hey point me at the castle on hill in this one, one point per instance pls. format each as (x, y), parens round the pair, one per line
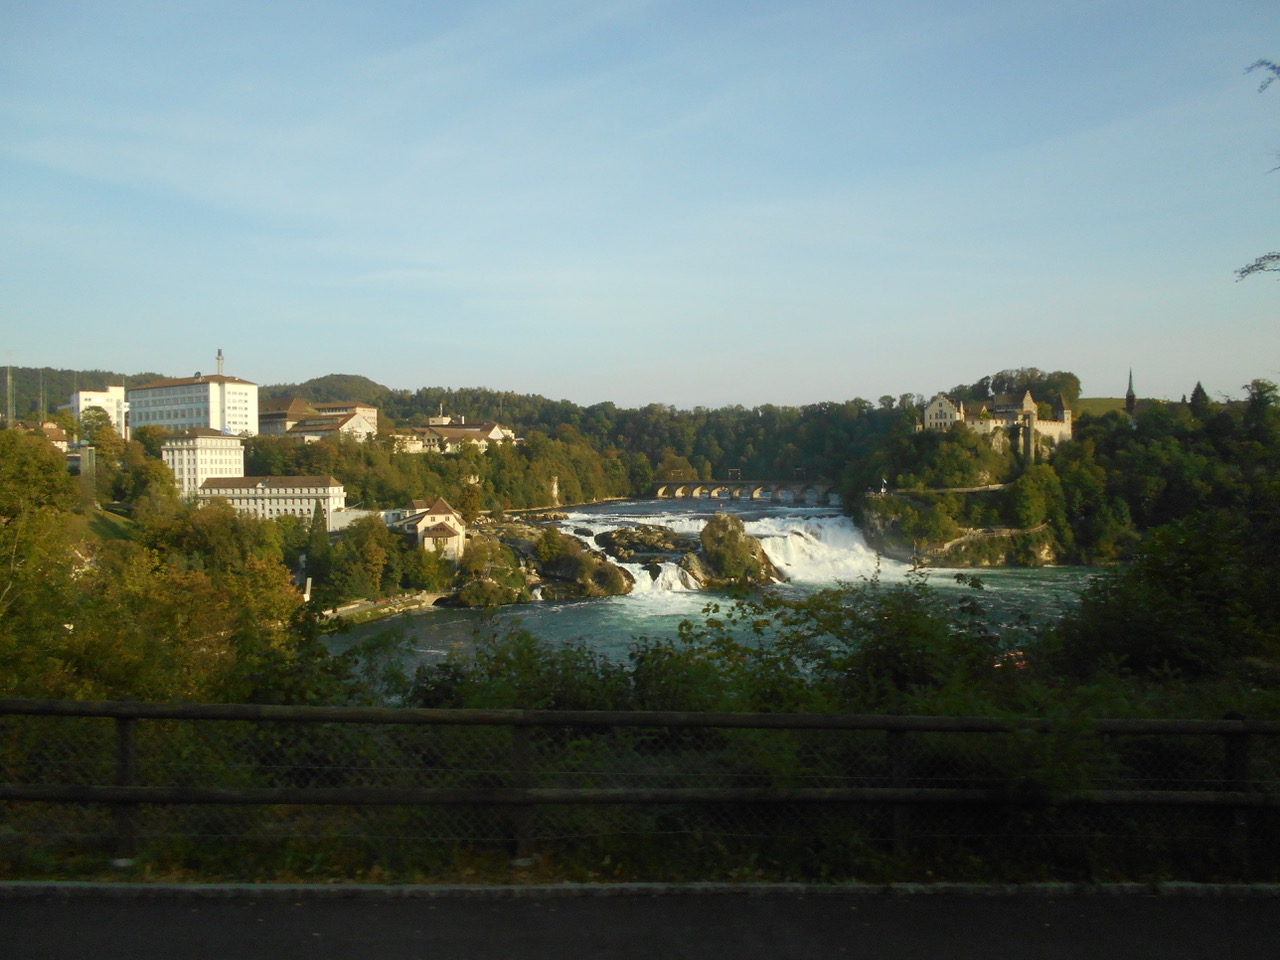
(1021, 418)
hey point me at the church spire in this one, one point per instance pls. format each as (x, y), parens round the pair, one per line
(1130, 398)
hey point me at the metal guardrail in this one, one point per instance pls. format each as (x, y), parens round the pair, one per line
(1235, 733)
(519, 775)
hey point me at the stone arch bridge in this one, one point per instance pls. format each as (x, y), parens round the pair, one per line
(777, 491)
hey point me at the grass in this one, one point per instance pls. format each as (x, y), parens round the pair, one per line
(1097, 406)
(101, 525)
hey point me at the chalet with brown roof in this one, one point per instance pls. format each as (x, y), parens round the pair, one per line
(435, 525)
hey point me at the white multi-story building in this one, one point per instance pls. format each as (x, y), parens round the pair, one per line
(271, 497)
(112, 400)
(226, 404)
(199, 454)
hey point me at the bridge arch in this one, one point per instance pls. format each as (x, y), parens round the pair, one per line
(778, 491)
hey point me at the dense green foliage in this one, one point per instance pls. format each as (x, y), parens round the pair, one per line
(764, 442)
(504, 477)
(870, 647)
(1118, 478)
(181, 603)
(1046, 387)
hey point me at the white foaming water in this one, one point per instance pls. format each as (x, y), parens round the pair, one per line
(806, 545)
(671, 578)
(819, 549)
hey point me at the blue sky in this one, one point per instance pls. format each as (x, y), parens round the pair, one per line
(693, 203)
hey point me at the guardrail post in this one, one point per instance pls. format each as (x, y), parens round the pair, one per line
(1237, 775)
(522, 778)
(126, 814)
(899, 814)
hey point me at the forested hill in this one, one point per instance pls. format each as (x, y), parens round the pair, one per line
(30, 384)
(766, 441)
(333, 387)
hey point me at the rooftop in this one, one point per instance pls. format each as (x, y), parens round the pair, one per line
(186, 381)
(269, 483)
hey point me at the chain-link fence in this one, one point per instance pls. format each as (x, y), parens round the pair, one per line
(247, 791)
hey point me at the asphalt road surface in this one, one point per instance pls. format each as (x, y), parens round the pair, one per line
(90, 923)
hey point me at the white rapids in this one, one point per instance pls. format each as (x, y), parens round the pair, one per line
(808, 546)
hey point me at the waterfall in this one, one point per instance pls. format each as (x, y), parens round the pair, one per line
(806, 544)
(819, 549)
(671, 578)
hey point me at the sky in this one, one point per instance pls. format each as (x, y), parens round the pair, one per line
(643, 201)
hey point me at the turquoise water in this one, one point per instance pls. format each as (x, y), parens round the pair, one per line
(815, 546)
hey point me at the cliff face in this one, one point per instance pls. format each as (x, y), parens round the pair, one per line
(884, 535)
(995, 548)
(971, 547)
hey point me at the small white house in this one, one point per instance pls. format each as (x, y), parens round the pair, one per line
(435, 525)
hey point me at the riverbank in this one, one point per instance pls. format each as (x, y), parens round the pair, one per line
(544, 511)
(367, 611)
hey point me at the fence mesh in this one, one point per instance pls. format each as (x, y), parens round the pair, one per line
(1030, 826)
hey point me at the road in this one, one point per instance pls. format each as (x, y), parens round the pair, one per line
(669, 923)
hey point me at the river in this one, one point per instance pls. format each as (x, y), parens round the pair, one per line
(815, 547)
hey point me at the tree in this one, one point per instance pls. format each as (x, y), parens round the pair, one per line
(140, 474)
(93, 421)
(675, 467)
(32, 474)
(1268, 262)
(151, 437)
(319, 551)
(1201, 406)
(728, 548)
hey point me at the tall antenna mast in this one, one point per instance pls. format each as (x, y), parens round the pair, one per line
(219, 361)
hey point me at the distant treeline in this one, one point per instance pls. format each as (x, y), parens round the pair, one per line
(39, 390)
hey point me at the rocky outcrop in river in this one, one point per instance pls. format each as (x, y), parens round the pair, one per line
(544, 562)
(724, 554)
(514, 561)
